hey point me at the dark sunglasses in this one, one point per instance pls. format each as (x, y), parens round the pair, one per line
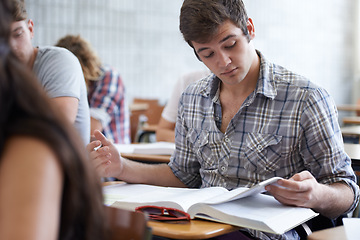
(163, 213)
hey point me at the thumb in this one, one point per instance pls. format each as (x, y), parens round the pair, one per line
(99, 136)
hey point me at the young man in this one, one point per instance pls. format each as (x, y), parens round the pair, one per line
(249, 121)
(109, 111)
(57, 69)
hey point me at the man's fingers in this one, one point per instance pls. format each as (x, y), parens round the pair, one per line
(301, 176)
(92, 145)
(99, 136)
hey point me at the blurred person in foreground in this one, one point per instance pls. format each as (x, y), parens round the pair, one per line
(47, 187)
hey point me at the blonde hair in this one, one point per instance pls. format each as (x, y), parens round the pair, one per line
(90, 62)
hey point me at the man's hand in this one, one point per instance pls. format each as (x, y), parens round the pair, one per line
(104, 155)
(303, 190)
(300, 190)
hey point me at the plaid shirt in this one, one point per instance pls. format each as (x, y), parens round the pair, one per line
(287, 125)
(107, 104)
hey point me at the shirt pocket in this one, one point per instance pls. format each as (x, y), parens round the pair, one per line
(261, 153)
(199, 138)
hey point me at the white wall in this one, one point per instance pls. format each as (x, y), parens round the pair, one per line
(315, 38)
(140, 38)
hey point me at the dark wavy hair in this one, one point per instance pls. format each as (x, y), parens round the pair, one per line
(200, 19)
(26, 111)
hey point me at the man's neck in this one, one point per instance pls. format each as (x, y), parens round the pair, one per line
(31, 61)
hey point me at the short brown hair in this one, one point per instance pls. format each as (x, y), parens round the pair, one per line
(200, 19)
(19, 11)
(90, 62)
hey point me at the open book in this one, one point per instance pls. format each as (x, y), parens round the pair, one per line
(158, 148)
(244, 207)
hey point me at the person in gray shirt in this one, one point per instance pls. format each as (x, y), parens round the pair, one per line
(58, 71)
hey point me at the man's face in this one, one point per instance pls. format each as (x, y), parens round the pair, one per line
(229, 54)
(20, 40)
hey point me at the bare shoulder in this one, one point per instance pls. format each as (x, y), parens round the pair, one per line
(29, 154)
(31, 182)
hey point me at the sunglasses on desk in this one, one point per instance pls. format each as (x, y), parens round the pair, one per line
(163, 213)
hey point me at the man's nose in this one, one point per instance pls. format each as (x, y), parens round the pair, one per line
(223, 59)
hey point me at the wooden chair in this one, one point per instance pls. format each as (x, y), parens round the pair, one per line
(354, 108)
(126, 225)
(151, 110)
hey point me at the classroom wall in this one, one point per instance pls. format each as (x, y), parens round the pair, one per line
(141, 39)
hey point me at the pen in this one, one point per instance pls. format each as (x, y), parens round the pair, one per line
(96, 148)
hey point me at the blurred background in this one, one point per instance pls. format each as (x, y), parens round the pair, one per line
(141, 38)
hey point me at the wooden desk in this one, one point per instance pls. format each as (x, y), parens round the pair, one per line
(351, 130)
(147, 157)
(195, 229)
(348, 107)
(335, 233)
(353, 151)
(351, 120)
(351, 133)
(127, 151)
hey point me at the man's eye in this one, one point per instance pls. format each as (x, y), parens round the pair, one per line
(231, 46)
(18, 34)
(209, 55)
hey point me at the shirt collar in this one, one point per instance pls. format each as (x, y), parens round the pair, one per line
(266, 81)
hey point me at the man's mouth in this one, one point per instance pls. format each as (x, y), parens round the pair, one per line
(229, 72)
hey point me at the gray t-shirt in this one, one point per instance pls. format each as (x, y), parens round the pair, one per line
(60, 73)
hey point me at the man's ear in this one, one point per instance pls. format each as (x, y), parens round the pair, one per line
(30, 24)
(197, 56)
(251, 29)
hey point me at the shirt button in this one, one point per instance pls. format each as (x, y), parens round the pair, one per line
(259, 148)
(227, 139)
(223, 168)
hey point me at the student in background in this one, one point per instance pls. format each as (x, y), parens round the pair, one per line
(106, 92)
(57, 70)
(247, 122)
(166, 127)
(47, 187)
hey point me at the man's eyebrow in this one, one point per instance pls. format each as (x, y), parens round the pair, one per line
(227, 37)
(201, 49)
(221, 41)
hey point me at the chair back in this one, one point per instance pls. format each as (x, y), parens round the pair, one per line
(147, 107)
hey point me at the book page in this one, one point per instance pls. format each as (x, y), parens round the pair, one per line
(123, 190)
(133, 195)
(243, 192)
